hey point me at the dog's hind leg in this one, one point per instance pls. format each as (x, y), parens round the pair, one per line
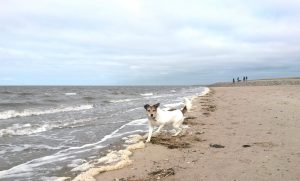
(178, 130)
(177, 127)
(159, 128)
(150, 133)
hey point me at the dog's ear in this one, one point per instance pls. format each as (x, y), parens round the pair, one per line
(146, 106)
(156, 105)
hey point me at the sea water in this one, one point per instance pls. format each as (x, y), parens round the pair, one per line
(47, 132)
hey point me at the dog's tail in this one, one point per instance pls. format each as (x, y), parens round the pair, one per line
(184, 110)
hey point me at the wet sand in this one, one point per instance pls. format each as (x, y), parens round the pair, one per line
(235, 133)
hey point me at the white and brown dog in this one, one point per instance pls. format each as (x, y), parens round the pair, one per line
(159, 117)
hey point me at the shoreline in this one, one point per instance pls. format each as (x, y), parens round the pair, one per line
(241, 133)
(120, 158)
(260, 82)
(92, 133)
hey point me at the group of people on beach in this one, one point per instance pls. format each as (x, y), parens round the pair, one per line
(245, 79)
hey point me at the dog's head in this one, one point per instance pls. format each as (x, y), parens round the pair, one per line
(151, 110)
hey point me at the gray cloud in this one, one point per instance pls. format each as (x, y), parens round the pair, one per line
(147, 42)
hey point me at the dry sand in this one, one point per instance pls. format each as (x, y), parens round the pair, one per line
(236, 133)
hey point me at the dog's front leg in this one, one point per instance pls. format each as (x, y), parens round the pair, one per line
(150, 133)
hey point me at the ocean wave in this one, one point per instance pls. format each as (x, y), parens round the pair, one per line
(138, 122)
(159, 96)
(6, 92)
(27, 169)
(52, 100)
(28, 129)
(155, 97)
(25, 93)
(8, 104)
(147, 94)
(13, 104)
(68, 154)
(121, 100)
(76, 163)
(32, 112)
(88, 98)
(25, 147)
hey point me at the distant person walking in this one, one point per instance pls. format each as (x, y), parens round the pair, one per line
(244, 78)
(233, 81)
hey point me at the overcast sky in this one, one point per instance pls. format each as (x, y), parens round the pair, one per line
(147, 42)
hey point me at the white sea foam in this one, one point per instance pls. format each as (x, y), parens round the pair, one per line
(34, 112)
(28, 129)
(24, 129)
(205, 91)
(120, 157)
(113, 160)
(70, 93)
(147, 94)
(130, 110)
(82, 167)
(132, 139)
(76, 163)
(157, 96)
(173, 105)
(55, 178)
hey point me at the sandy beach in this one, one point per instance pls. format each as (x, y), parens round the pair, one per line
(235, 133)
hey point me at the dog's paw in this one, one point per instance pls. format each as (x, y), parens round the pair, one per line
(176, 134)
(147, 141)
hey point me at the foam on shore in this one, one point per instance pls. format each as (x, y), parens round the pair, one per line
(113, 160)
(206, 90)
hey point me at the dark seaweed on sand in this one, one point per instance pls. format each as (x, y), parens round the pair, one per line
(170, 142)
(162, 173)
(216, 146)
